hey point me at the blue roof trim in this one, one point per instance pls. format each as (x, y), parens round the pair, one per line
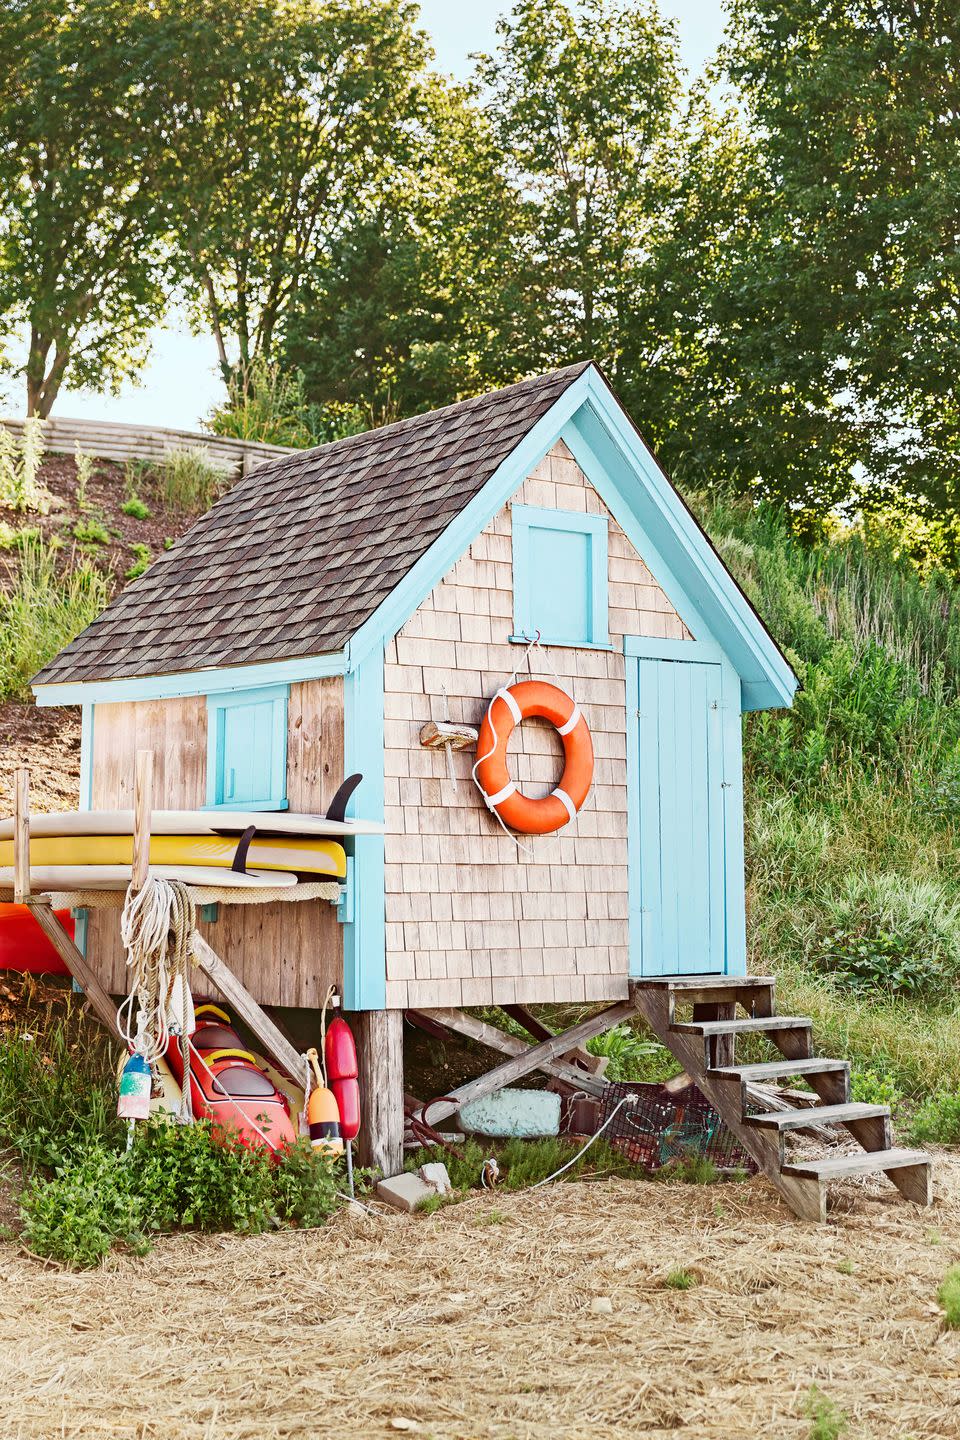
(212, 681)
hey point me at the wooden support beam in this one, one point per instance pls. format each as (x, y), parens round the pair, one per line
(579, 1057)
(530, 1059)
(495, 1039)
(253, 1016)
(142, 813)
(75, 962)
(379, 1035)
(21, 837)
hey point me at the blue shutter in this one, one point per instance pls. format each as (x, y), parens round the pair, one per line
(247, 749)
(560, 576)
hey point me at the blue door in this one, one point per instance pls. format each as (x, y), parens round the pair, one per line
(677, 901)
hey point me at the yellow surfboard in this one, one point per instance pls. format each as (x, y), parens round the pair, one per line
(304, 855)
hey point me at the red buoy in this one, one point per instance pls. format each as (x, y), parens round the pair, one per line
(340, 1053)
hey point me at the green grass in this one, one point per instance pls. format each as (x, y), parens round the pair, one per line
(91, 532)
(525, 1162)
(680, 1279)
(141, 560)
(949, 1297)
(853, 799)
(45, 607)
(136, 508)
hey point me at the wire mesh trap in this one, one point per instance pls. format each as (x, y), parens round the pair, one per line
(659, 1127)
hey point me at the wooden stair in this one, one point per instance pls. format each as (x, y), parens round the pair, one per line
(705, 1047)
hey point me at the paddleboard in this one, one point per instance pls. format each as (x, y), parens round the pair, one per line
(117, 877)
(194, 822)
(303, 854)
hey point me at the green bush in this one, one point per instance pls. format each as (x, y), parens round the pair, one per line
(91, 532)
(136, 508)
(44, 609)
(20, 461)
(937, 1121)
(870, 1086)
(268, 404)
(174, 1175)
(887, 933)
(189, 482)
(631, 1056)
(58, 1091)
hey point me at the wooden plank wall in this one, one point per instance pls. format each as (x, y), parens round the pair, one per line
(471, 920)
(285, 954)
(111, 441)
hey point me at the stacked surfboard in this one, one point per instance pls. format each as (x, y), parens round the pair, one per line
(93, 849)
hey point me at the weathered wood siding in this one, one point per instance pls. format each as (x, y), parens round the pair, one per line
(471, 919)
(285, 954)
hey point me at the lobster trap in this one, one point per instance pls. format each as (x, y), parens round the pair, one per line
(655, 1126)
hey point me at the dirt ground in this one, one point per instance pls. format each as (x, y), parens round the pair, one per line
(47, 742)
(478, 1322)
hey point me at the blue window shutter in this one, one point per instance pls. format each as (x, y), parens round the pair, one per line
(247, 749)
(560, 576)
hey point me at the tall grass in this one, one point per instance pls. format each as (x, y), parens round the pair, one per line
(46, 605)
(189, 481)
(853, 795)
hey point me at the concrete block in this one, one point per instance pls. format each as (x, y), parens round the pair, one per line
(405, 1191)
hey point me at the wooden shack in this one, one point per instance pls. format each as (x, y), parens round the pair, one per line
(336, 600)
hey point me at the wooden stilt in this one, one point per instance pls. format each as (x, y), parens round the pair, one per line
(379, 1035)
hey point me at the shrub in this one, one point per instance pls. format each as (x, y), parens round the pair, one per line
(43, 611)
(136, 508)
(141, 560)
(84, 464)
(58, 1091)
(91, 532)
(889, 933)
(20, 460)
(189, 481)
(631, 1056)
(937, 1121)
(872, 1086)
(268, 404)
(174, 1175)
(949, 1297)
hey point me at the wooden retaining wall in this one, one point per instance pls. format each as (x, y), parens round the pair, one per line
(111, 441)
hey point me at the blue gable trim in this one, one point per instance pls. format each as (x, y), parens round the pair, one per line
(193, 682)
(592, 422)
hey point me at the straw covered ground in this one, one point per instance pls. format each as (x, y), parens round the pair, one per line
(543, 1314)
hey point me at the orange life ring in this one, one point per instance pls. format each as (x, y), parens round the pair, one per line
(504, 713)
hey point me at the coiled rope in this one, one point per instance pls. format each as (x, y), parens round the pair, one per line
(156, 927)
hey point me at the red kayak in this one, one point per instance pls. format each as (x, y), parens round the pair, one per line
(23, 945)
(227, 1085)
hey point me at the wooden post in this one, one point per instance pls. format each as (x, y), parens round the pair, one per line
(142, 811)
(379, 1035)
(21, 837)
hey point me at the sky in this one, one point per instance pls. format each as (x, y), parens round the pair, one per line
(180, 383)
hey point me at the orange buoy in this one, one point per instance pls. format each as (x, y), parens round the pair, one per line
(504, 713)
(323, 1115)
(340, 1053)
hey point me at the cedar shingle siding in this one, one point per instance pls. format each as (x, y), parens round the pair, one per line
(296, 557)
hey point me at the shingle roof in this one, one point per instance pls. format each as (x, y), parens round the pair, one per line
(301, 552)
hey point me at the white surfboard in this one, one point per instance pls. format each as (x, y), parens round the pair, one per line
(117, 877)
(193, 822)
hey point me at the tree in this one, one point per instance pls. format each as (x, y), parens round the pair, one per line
(582, 104)
(80, 243)
(858, 106)
(286, 121)
(425, 300)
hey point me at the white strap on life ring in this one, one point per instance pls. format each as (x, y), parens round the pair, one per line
(511, 705)
(564, 798)
(494, 800)
(571, 724)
